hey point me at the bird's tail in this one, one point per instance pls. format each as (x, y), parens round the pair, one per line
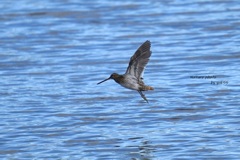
(145, 88)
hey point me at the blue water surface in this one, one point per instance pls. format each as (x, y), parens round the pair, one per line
(53, 53)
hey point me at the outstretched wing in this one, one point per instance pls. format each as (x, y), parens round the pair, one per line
(139, 60)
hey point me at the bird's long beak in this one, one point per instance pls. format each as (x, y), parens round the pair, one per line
(104, 80)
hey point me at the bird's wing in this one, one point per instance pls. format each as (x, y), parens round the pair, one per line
(139, 60)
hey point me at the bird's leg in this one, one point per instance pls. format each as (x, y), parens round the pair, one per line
(143, 96)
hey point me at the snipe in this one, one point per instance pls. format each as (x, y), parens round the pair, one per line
(133, 78)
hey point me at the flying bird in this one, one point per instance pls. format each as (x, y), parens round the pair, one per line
(133, 77)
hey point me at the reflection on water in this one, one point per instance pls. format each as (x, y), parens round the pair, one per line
(52, 55)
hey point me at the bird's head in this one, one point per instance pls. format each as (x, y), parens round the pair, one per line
(113, 76)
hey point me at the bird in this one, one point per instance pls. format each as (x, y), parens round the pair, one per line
(133, 77)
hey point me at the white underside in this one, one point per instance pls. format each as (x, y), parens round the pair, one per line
(131, 82)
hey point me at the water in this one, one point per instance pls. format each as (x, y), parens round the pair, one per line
(53, 53)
